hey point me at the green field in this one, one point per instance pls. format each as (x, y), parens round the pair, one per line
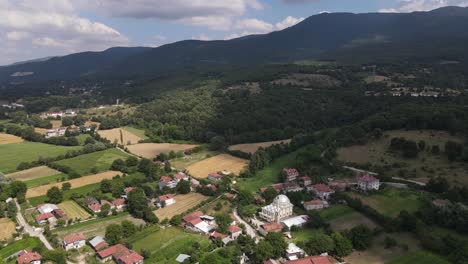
(45, 180)
(268, 175)
(138, 132)
(391, 201)
(165, 244)
(335, 212)
(81, 138)
(100, 160)
(13, 154)
(28, 243)
(419, 257)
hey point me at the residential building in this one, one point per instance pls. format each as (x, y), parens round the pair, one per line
(214, 176)
(224, 238)
(368, 183)
(98, 243)
(311, 260)
(182, 257)
(166, 181)
(166, 200)
(305, 180)
(290, 174)
(73, 241)
(292, 187)
(96, 208)
(28, 257)
(120, 254)
(198, 222)
(315, 205)
(44, 218)
(119, 204)
(321, 190)
(270, 227)
(294, 252)
(181, 176)
(234, 231)
(90, 201)
(46, 208)
(59, 213)
(280, 208)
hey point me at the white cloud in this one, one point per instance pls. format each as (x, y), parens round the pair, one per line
(405, 6)
(253, 25)
(288, 22)
(202, 37)
(159, 37)
(52, 27)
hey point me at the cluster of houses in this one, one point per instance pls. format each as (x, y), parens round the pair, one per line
(49, 214)
(94, 205)
(119, 253)
(171, 182)
(61, 131)
(59, 114)
(13, 106)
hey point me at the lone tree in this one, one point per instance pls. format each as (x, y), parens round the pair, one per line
(54, 195)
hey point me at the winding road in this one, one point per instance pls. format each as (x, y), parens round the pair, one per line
(250, 231)
(29, 229)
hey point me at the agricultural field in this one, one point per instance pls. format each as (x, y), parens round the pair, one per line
(95, 227)
(426, 165)
(46, 180)
(217, 163)
(166, 244)
(101, 160)
(391, 202)
(351, 220)
(13, 154)
(33, 173)
(138, 132)
(8, 228)
(73, 210)
(184, 202)
(253, 147)
(187, 160)
(151, 150)
(9, 139)
(27, 243)
(378, 254)
(268, 175)
(75, 183)
(40, 130)
(56, 123)
(119, 135)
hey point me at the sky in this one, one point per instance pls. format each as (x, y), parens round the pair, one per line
(31, 29)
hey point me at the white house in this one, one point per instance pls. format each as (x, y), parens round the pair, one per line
(294, 252)
(368, 183)
(73, 241)
(166, 181)
(280, 208)
(315, 205)
(166, 200)
(46, 208)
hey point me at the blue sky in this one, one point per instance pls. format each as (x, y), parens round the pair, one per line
(38, 28)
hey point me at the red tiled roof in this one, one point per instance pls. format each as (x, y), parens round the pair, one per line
(44, 216)
(311, 260)
(132, 258)
(180, 176)
(306, 178)
(116, 251)
(166, 197)
(195, 221)
(192, 215)
(129, 189)
(218, 235)
(95, 207)
(214, 175)
(60, 213)
(165, 179)
(118, 202)
(290, 171)
(272, 227)
(73, 238)
(27, 257)
(367, 178)
(103, 202)
(314, 202)
(234, 229)
(101, 245)
(322, 188)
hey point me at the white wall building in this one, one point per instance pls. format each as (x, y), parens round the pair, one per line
(280, 208)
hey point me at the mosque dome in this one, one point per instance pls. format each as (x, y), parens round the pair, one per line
(282, 201)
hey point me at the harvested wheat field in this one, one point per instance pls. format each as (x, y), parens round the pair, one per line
(75, 183)
(73, 210)
(151, 150)
(33, 173)
(8, 228)
(184, 202)
(9, 139)
(215, 164)
(56, 123)
(114, 135)
(252, 147)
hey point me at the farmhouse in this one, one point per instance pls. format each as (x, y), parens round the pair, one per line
(234, 231)
(321, 190)
(120, 254)
(368, 183)
(166, 181)
(315, 205)
(181, 176)
(290, 174)
(280, 208)
(214, 176)
(28, 257)
(57, 132)
(166, 200)
(224, 238)
(96, 208)
(197, 222)
(46, 208)
(271, 227)
(98, 243)
(59, 213)
(73, 241)
(44, 218)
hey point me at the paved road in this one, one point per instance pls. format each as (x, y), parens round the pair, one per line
(29, 229)
(250, 231)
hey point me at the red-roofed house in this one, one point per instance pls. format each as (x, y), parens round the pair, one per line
(42, 219)
(59, 214)
(321, 190)
(290, 174)
(119, 204)
(115, 251)
(214, 176)
(28, 257)
(167, 199)
(271, 227)
(181, 176)
(96, 208)
(306, 180)
(192, 216)
(311, 260)
(368, 183)
(103, 202)
(212, 187)
(234, 231)
(73, 241)
(278, 187)
(315, 205)
(166, 181)
(132, 258)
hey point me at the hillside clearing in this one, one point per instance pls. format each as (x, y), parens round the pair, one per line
(351, 220)
(8, 228)
(73, 210)
(33, 173)
(12, 155)
(184, 202)
(119, 135)
(217, 163)
(253, 147)
(9, 139)
(75, 183)
(151, 150)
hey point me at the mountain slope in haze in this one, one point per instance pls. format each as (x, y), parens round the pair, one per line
(67, 67)
(440, 34)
